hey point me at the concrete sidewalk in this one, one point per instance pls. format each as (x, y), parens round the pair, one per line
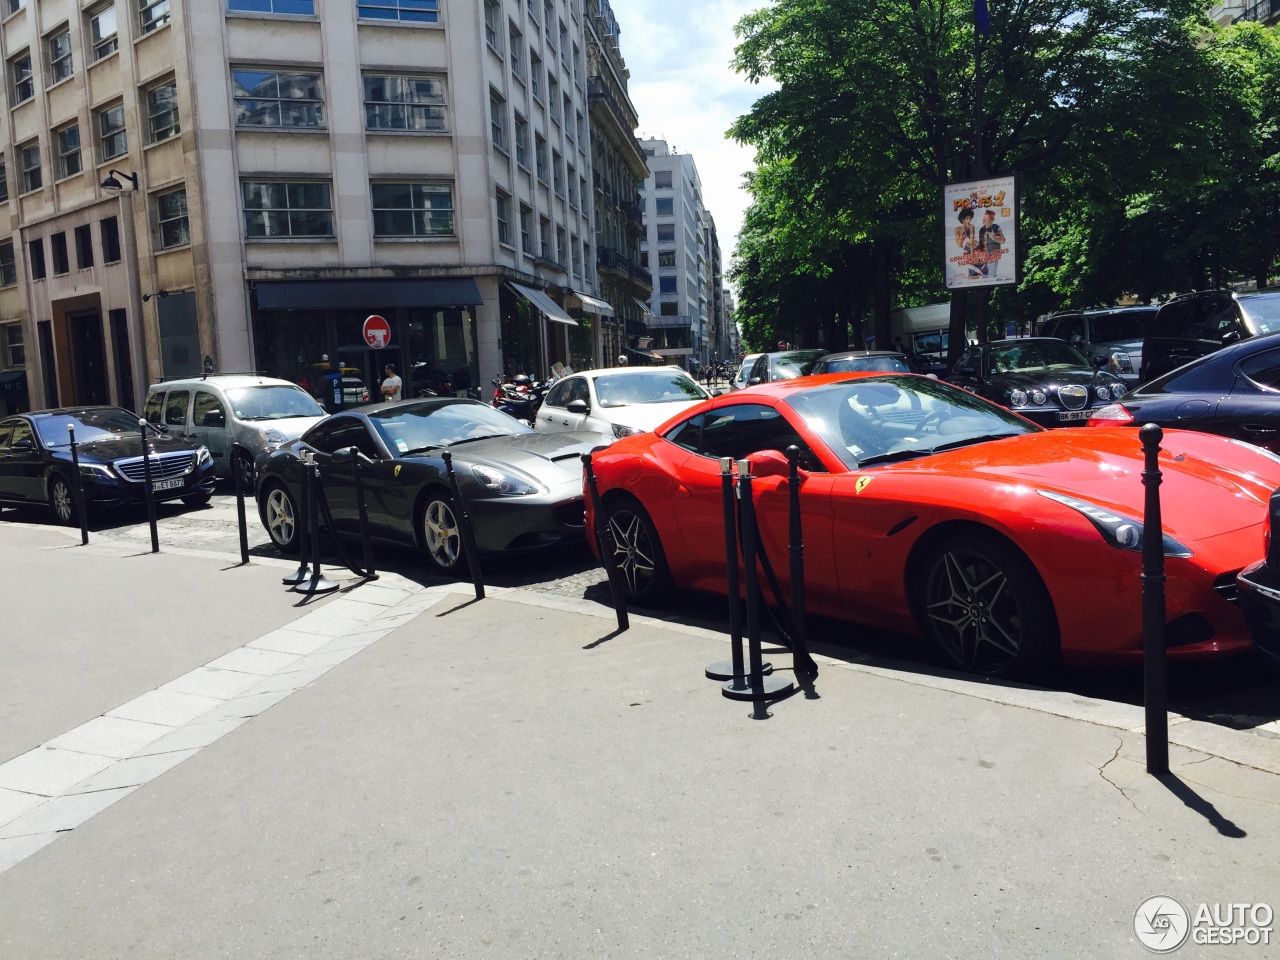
(404, 772)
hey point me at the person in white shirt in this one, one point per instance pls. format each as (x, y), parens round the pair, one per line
(393, 385)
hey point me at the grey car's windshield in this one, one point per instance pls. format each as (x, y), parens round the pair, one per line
(439, 423)
(883, 419)
(105, 423)
(643, 386)
(273, 402)
(1033, 356)
(1263, 313)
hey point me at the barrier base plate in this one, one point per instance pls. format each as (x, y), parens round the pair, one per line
(759, 688)
(316, 585)
(723, 670)
(298, 576)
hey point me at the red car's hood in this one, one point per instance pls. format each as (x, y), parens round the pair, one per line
(1209, 485)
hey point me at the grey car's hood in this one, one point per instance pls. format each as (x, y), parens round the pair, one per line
(548, 457)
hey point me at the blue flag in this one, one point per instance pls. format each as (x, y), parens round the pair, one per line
(980, 17)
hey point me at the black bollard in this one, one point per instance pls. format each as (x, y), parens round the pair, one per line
(801, 662)
(731, 669)
(77, 485)
(362, 504)
(607, 556)
(1155, 670)
(301, 519)
(756, 685)
(316, 582)
(464, 526)
(148, 489)
(236, 453)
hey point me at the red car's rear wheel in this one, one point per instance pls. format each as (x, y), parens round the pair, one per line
(985, 608)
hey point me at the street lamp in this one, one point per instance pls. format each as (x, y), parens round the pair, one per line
(113, 186)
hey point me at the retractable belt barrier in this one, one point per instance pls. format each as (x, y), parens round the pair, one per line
(238, 451)
(148, 488)
(607, 552)
(1155, 668)
(465, 529)
(77, 485)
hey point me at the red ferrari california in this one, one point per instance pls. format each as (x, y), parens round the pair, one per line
(929, 510)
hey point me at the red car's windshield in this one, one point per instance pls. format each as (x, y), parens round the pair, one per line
(884, 419)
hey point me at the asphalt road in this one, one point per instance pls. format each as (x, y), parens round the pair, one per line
(1240, 693)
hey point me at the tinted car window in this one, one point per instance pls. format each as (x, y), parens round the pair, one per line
(175, 408)
(686, 434)
(350, 432)
(1263, 313)
(6, 431)
(559, 395)
(967, 365)
(748, 428)
(155, 403)
(1263, 369)
(577, 391)
(1194, 378)
(21, 431)
(207, 403)
(1070, 328)
(1119, 326)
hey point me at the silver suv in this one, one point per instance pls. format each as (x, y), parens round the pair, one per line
(259, 413)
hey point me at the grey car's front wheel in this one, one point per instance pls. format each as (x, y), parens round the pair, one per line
(441, 533)
(280, 517)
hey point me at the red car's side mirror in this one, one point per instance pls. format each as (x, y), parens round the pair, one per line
(768, 463)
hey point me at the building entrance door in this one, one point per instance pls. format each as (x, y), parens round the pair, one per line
(88, 358)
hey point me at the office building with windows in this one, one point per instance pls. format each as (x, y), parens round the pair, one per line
(678, 249)
(239, 184)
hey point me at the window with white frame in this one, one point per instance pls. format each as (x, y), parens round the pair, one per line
(533, 11)
(582, 131)
(516, 46)
(102, 30)
(15, 354)
(172, 226)
(57, 47)
(498, 120)
(577, 256)
(572, 174)
(403, 11)
(522, 141)
(4, 180)
(113, 141)
(282, 209)
(162, 111)
(8, 274)
(560, 246)
(577, 70)
(403, 209)
(397, 102)
(557, 172)
(568, 116)
(491, 35)
(564, 45)
(662, 179)
(553, 96)
(152, 14)
(265, 98)
(22, 85)
(540, 155)
(535, 75)
(29, 156)
(504, 217)
(13, 6)
(67, 140)
(526, 229)
(544, 238)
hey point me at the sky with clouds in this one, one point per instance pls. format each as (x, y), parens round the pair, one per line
(678, 53)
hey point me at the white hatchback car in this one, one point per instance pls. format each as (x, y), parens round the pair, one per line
(618, 400)
(259, 413)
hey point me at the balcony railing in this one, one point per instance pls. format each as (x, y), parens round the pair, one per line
(1260, 12)
(682, 320)
(608, 258)
(598, 92)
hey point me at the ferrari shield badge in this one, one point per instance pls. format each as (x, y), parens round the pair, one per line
(862, 484)
(397, 469)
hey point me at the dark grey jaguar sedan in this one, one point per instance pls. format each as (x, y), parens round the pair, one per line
(522, 489)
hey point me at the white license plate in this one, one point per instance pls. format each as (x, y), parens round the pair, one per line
(1074, 414)
(174, 484)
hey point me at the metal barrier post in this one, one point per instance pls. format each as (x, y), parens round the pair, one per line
(464, 526)
(317, 582)
(1155, 672)
(362, 504)
(148, 489)
(236, 472)
(757, 686)
(301, 521)
(801, 662)
(606, 554)
(77, 485)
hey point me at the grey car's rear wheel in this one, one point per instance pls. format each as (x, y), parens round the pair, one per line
(280, 517)
(63, 501)
(985, 608)
(441, 533)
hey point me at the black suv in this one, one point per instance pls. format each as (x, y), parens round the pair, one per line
(1111, 337)
(1200, 323)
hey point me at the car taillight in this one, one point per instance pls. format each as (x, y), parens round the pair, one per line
(1112, 415)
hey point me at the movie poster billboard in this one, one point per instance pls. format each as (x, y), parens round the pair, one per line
(979, 232)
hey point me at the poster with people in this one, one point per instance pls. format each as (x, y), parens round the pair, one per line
(979, 232)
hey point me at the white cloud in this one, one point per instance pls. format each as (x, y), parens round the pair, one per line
(678, 53)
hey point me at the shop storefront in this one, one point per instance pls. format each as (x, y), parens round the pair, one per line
(305, 329)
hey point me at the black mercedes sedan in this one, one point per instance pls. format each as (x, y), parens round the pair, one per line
(1043, 379)
(522, 489)
(36, 464)
(1234, 393)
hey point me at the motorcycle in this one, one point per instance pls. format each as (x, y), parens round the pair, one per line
(519, 398)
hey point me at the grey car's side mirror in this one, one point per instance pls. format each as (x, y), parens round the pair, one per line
(578, 406)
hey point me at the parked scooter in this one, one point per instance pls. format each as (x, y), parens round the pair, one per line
(520, 398)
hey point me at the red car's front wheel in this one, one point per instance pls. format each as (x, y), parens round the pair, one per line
(630, 534)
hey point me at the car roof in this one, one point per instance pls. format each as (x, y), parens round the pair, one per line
(227, 381)
(853, 354)
(780, 388)
(636, 369)
(1018, 341)
(63, 411)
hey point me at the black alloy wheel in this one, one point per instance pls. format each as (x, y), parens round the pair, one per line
(985, 608)
(637, 550)
(280, 516)
(63, 501)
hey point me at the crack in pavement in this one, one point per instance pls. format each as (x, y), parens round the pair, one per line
(1102, 773)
